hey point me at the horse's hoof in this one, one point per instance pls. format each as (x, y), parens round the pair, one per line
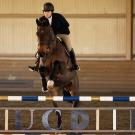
(50, 84)
(43, 90)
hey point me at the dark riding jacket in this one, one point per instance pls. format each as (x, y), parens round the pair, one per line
(59, 24)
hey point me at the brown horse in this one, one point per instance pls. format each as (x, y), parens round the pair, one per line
(55, 64)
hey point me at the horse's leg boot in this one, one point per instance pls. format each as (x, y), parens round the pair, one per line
(73, 60)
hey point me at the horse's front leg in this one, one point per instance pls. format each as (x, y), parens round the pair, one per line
(42, 71)
(52, 76)
(44, 82)
(51, 81)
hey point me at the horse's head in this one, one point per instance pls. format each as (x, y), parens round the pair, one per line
(45, 36)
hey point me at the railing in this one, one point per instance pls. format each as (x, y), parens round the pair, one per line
(84, 114)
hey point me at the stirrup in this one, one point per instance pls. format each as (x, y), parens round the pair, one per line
(33, 68)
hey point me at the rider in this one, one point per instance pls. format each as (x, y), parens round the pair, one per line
(60, 27)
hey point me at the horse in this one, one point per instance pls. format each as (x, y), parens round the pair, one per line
(54, 59)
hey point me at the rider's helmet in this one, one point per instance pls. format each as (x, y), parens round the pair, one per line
(48, 7)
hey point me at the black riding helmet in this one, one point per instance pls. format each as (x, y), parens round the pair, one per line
(48, 7)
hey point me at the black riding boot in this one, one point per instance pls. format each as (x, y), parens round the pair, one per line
(73, 60)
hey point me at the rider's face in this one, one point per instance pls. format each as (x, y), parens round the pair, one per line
(47, 14)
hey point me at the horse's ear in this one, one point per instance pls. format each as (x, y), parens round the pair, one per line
(38, 22)
(45, 22)
(42, 21)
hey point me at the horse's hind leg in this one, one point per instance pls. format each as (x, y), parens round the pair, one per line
(74, 92)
